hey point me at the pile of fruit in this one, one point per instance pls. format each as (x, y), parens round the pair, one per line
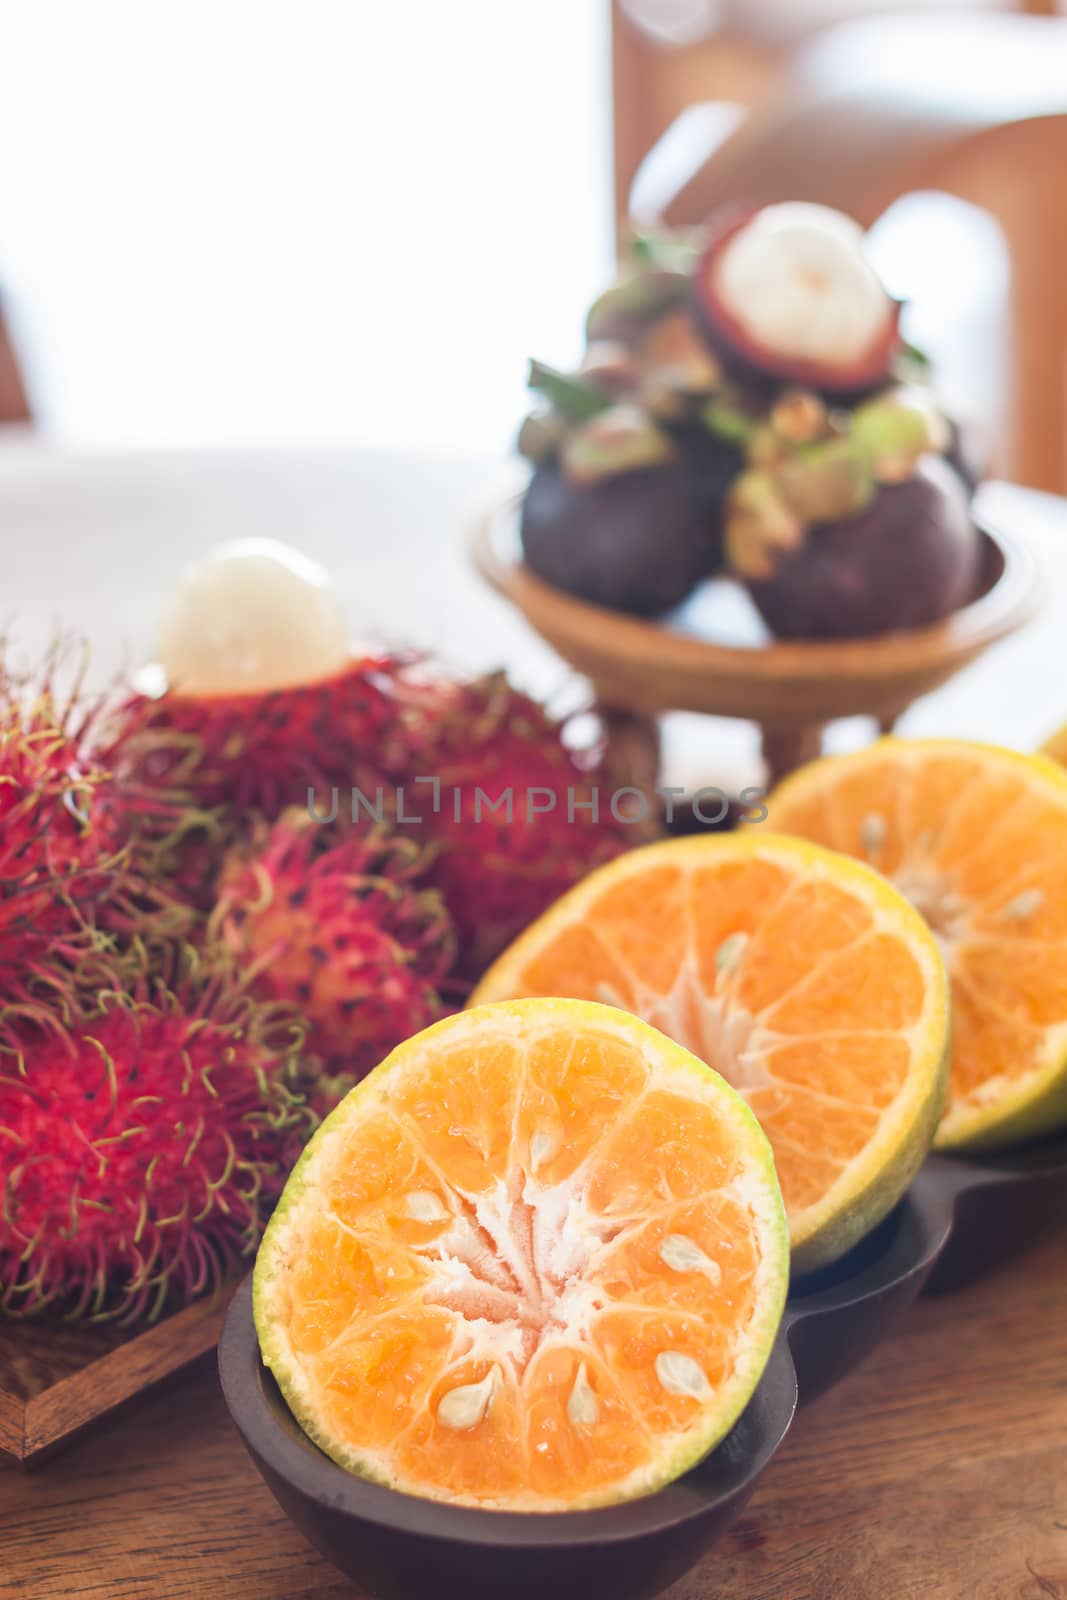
(536, 1260)
(746, 405)
(194, 964)
(535, 1253)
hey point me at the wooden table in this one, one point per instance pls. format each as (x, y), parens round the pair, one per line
(937, 1472)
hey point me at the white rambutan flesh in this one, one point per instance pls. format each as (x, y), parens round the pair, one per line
(253, 615)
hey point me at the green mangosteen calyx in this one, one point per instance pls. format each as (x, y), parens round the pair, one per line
(895, 430)
(677, 249)
(808, 465)
(799, 417)
(541, 435)
(610, 365)
(760, 524)
(729, 421)
(577, 398)
(622, 439)
(625, 310)
(825, 484)
(770, 508)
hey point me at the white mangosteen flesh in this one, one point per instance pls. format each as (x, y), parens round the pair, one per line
(252, 616)
(797, 281)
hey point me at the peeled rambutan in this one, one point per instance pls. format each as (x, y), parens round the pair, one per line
(256, 701)
(341, 925)
(148, 1129)
(517, 816)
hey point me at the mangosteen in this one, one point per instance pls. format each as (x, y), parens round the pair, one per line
(966, 456)
(908, 557)
(714, 464)
(786, 294)
(619, 516)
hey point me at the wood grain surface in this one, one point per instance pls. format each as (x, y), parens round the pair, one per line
(937, 1472)
(58, 1379)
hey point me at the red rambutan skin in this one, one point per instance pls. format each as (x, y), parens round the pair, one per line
(498, 870)
(339, 925)
(68, 859)
(260, 753)
(57, 842)
(143, 1143)
(221, 764)
(73, 861)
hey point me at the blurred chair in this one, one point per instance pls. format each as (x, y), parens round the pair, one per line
(14, 405)
(669, 54)
(975, 106)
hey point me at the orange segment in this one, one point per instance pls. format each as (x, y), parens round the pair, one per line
(664, 1363)
(460, 1109)
(876, 982)
(802, 978)
(644, 925)
(593, 964)
(814, 915)
(712, 1267)
(338, 1270)
(674, 1150)
(574, 1091)
(536, 1260)
(976, 838)
(380, 1374)
(598, 1441)
(492, 1448)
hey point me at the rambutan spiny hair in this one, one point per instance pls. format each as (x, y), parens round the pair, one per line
(262, 752)
(500, 865)
(341, 924)
(71, 869)
(217, 765)
(146, 1130)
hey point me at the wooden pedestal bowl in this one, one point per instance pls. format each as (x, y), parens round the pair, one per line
(791, 690)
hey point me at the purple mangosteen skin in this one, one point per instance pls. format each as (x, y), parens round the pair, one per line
(639, 542)
(908, 560)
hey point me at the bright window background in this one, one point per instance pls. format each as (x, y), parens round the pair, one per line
(309, 222)
(344, 222)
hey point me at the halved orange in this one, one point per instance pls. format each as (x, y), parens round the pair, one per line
(800, 976)
(976, 837)
(535, 1261)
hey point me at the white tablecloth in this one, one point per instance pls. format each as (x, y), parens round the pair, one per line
(95, 541)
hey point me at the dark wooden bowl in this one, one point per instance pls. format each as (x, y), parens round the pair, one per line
(791, 689)
(399, 1547)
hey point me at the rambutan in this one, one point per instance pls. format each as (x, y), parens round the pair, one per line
(260, 752)
(516, 815)
(339, 923)
(71, 870)
(222, 763)
(145, 1133)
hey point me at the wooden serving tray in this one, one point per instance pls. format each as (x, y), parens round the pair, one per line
(58, 1378)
